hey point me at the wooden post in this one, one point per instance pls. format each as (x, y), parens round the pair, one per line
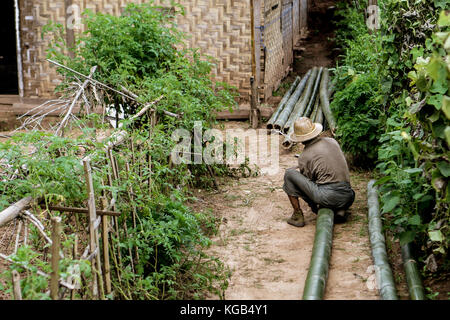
(19, 228)
(56, 244)
(16, 285)
(254, 112)
(75, 255)
(97, 283)
(127, 167)
(70, 34)
(105, 238)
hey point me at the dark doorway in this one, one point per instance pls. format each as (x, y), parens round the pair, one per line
(8, 54)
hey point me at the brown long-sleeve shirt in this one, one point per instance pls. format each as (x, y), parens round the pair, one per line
(323, 161)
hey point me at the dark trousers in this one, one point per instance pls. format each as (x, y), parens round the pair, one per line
(334, 196)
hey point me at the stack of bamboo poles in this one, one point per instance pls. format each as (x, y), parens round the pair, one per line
(308, 97)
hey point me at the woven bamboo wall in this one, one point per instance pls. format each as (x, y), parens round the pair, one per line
(296, 20)
(273, 46)
(303, 17)
(40, 78)
(287, 31)
(220, 28)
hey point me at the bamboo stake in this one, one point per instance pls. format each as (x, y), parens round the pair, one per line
(19, 228)
(117, 260)
(105, 238)
(25, 234)
(92, 219)
(74, 255)
(16, 285)
(127, 167)
(56, 244)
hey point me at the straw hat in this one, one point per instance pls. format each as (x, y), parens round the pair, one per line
(305, 129)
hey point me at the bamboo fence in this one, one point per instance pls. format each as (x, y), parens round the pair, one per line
(101, 225)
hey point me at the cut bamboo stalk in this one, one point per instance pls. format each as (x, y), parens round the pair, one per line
(127, 167)
(92, 218)
(105, 241)
(16, 285)
(56, 246)
(98, 262)
(383, 272)
(316, 279)
(282, 103)
(74, 256)
(416, 290)
(301, 104)
(117, 260)
(19, 228)
(284, 114)
(314, 94)
(324, 101)
(14, 210)
(25, 234)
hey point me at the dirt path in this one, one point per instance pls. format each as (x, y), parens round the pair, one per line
(269, 259)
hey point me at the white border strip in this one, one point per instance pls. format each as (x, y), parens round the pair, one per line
(18, 48)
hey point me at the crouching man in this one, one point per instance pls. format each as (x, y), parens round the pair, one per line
(323, 178)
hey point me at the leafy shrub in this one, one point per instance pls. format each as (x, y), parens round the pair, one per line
(408, 63)
(357, 112)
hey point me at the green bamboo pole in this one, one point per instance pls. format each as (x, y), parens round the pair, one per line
(300, 106)
(315, 111)
(383, 272)
(314, 96)
(282, 103)
(416, 291)
(324, 101)
(319, 116)
(316, 279)
(284, 114)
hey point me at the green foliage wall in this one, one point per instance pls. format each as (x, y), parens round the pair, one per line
(401, 84)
